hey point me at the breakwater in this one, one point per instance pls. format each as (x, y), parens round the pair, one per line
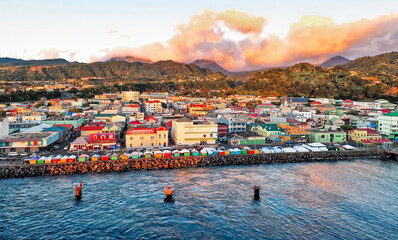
(23, 170)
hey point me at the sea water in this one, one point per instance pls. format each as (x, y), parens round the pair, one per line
(356, 199)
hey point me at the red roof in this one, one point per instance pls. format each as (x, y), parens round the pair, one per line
(96, 124)
(347, 101)
(169, 124)
(69, 126)
(89, 128)
(369, 131)
(153, 101)
(385, 111)
(161, 129)
(133, 106)
(141, 131)
(135, 122)
(150, 118)
(145, 130)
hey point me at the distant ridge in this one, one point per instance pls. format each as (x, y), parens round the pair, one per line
(213, 66)
(334, 61)
(12, 62)
(129, 59)
(9, 60)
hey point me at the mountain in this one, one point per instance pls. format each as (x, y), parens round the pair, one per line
(130, 59)
(309, 80)
(334, 61)
(9, 60)
(44, 62)
(213, 66)
(383, 64)
(112, 69)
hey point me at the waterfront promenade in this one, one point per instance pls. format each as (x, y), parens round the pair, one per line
(23, 170)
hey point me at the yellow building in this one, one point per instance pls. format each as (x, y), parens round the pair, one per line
(130, 96)
(364, 134)
(186, 131)
(200, 109)
(147, 137)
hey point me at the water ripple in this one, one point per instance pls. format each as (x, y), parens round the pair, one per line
(335, 200)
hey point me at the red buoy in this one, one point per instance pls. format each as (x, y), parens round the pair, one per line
(169, 194)
(78, 190)
(256, 193)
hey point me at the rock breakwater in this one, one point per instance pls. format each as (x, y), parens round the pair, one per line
(23, 170)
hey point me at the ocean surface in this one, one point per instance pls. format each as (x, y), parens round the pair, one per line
(355, 199)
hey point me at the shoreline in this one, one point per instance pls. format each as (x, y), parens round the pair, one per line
(23, 170)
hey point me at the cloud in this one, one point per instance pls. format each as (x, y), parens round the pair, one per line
(56, 53)
(312, 38)
(116, 33)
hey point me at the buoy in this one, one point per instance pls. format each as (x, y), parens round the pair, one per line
(169, 194)
(78, 190)
(256, 193)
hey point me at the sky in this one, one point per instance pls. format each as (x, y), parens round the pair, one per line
(239, 35)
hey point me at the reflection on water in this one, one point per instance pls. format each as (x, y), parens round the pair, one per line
(349, 200)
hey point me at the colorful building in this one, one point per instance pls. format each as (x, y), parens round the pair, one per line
(28, 142)
(147, 137)
(185, 131)
(200, 109)
(388, 125)
(102, 141)
(363, 134)
(327, 136)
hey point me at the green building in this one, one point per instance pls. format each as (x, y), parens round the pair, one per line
(77, 122)
(246, 138)
(327, 136)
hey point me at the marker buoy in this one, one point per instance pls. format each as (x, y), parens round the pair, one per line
(169, 194)
(78, 190)
(256, 193)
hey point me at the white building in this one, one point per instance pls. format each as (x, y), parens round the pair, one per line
(153, 106)
(130, 96)
(367, 104)
(4, 127)
(388, 125)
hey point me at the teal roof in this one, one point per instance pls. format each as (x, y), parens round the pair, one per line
(392, 114)
(55, 129)
(109, 115)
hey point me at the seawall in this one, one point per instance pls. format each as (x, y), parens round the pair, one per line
(23, 170)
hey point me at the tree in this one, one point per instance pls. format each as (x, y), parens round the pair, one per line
(346, 127)
(164, 105)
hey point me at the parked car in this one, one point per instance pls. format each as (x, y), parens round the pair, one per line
(13, 154)
(56, 147)
(66, 148)
(25, 154)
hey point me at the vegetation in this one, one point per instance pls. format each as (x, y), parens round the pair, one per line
(21, 96)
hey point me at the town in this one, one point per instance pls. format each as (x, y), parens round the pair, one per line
(160, 124)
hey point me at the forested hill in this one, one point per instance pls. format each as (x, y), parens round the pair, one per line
(305, 79)
(383, 64)
(5, 62)
(112, 69)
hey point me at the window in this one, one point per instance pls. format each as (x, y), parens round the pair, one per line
(131, 138)
(152, 138)
(165, 136)
(211, 134)
(142, 144)
(160, 144)
(152, 144)
(160, 136)
(204, 135)
(141, 138)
